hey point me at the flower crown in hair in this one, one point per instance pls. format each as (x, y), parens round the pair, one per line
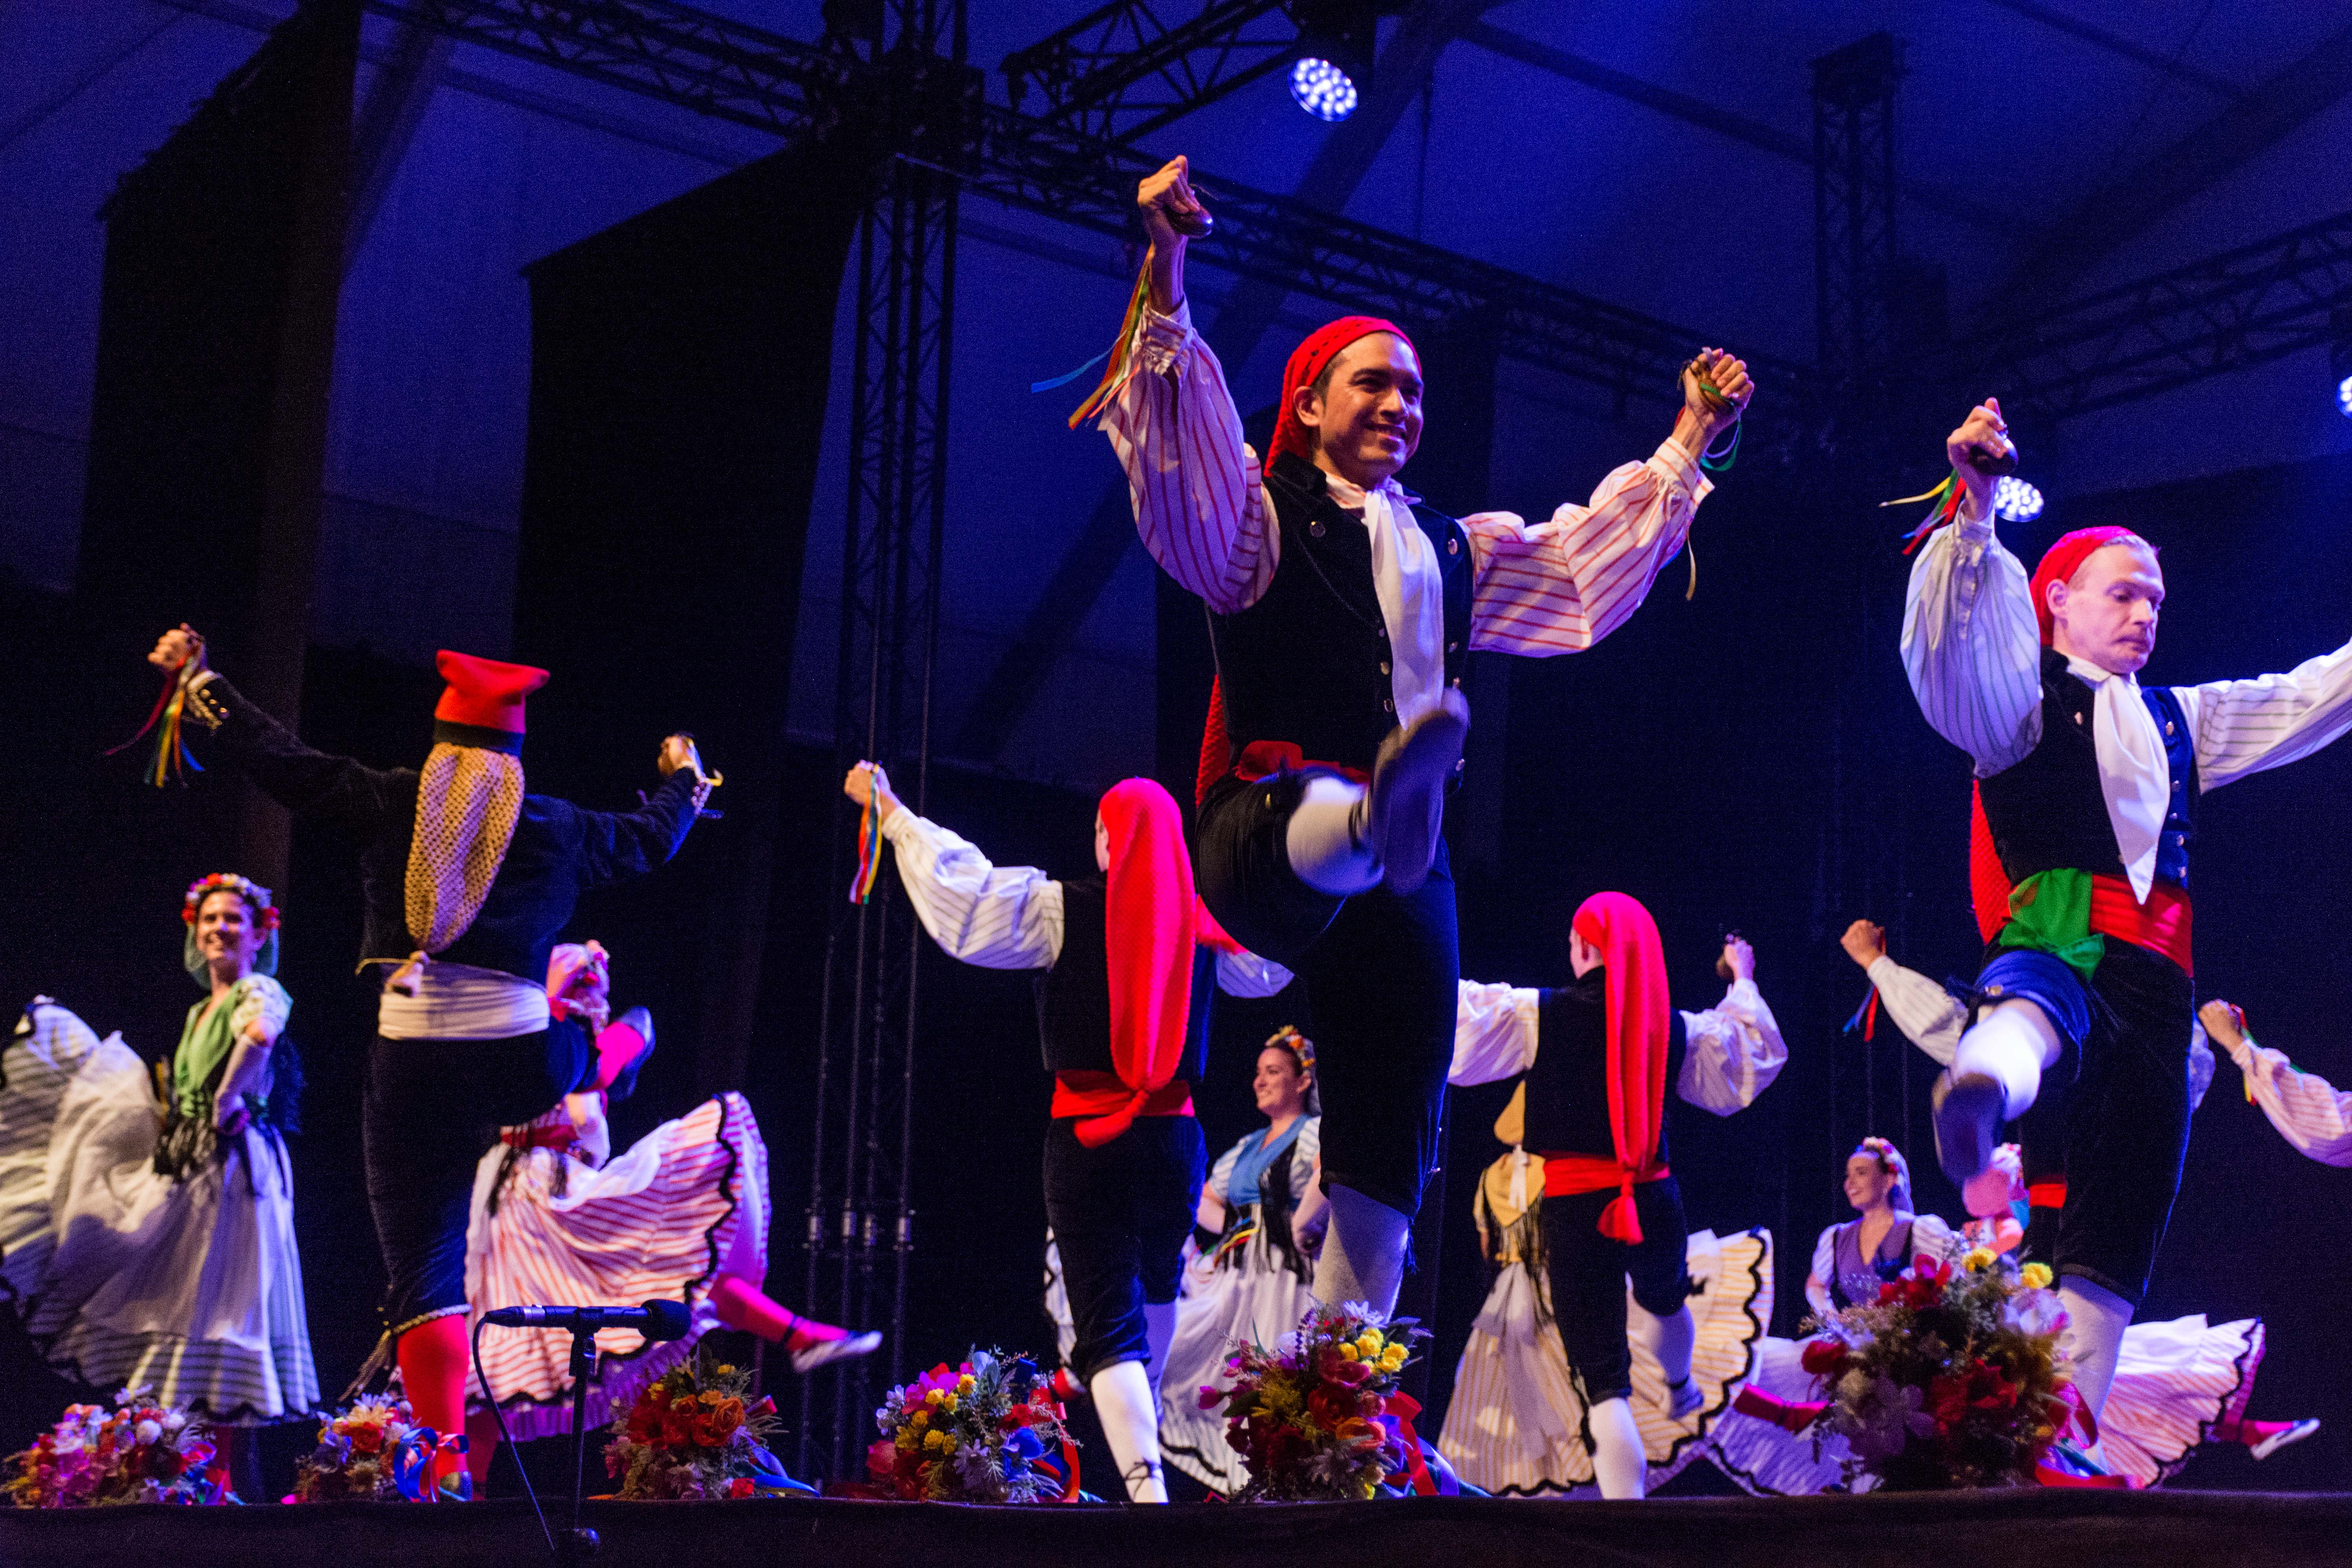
(246, 887)
(1886, 1154)
(1297, 1045)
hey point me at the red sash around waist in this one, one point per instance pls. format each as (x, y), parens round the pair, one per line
(1566, 1175)
(1263, 759)
(2159, 925)
(1103, 1094)
(2046, 1194)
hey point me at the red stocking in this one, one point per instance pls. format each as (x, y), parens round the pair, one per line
(743, 1305)
(432, 1358)
(617, 1046)
(1791, 1414)
(481, 1445)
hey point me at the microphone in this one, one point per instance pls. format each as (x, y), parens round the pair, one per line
(655, 1319)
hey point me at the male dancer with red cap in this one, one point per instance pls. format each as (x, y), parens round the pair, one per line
(1130, 964)
(468, 881)
(1599, 1054)
(1341, 613)
(2089, 785)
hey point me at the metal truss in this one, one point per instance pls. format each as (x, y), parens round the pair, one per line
(1854, 205)
(1125, 70)
(2245, 307)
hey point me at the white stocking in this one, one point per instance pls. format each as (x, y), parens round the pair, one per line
(1618, 1461)
(1321, 841)
(1129, 1415)
(2012, 1042)
(2095, 1320)
(1363, 1252)
(1669, 1339)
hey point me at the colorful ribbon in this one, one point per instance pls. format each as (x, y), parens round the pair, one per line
(1947, 496)
(869, 848)
(172, 760)
(1397, 1412)
(1865, 1017)
(1121, 353)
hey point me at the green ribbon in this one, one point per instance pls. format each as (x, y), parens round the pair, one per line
(2050, 912)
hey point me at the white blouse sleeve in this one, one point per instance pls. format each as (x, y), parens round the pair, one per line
(1006, 917)
(1825, 1255)
(1931, 1235)
(1493, 1033)
(1245, 973)
(1735, 1052)
(2245, 726)
(1929, 1015)
(2309, 1113)
(265, 1002)
(1303, 1156)
(1971, 645)
(1221, 1174)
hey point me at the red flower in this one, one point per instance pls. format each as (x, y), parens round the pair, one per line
(738, 1487)
(1330, 1406)
(1823, 1357)
(1982, 1386)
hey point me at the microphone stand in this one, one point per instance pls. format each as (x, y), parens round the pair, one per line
(580, 1543)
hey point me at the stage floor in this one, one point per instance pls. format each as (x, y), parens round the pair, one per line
(2033, 1529)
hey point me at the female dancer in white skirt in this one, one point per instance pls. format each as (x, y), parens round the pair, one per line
(682, 1215)
(171, 1260)
(1516, 1424)
(1260, 1224)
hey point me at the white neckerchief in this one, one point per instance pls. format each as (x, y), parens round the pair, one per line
(1520, 1178)
(2135, 774)
(1411, 590)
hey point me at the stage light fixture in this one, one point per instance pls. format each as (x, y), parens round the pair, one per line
(1333, 70)
(1322, 89)
(2339, 357)
(2015, 500)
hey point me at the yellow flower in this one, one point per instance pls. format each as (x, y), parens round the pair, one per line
(2036, 1276)
(905, 1438)
(1393, 1358)
(922, 1419)
(1368, 1343)
(948, 1405)
(1349, 1353)
(1978, 1259)
(948, 1442)
(933, 1439)
(934, 1396)
(964, 1384)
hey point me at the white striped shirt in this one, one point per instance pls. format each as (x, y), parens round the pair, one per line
(2309, 1113)
(1201, 506)
(1010, 917)
(1973, 650)
(1734, 1050)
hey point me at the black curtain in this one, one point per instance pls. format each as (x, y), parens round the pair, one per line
(679, 367)
(216, 322)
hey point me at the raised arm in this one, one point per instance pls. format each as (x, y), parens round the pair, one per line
(1493, 1032)
(996, 917)
(313, 785)
(1931, 1018)
(2309, 1113)
(2245, 726)
(1734, 1048)
(1561, 585)
(1970, 643)
(1199, 507)
(621, 846)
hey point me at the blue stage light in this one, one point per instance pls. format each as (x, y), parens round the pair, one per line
(1322, 89)
(2015, 500)
(2344, 397)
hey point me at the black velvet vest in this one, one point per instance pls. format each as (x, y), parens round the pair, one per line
(1309, 663)
(1074, 996)
(1568, 1087)
(2048, 813)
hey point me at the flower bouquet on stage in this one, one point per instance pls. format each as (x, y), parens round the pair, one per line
(1323, 1418)
(1950, 1379)
(371, 1451)
(987, 1431)
(138, 1451)
(691, 1437)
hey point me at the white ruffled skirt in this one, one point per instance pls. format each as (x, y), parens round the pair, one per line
(1252, 1299)
(193, 1287)
(1516, 1426)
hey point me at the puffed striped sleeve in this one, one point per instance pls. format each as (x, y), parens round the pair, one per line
(1493, 1032)
(1563, 584)
(1735, 1051)
(1200, 506)
(1971, 645)
(2245, 726)
(2309, 1113)
(1929, 1015)
(998, 917)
